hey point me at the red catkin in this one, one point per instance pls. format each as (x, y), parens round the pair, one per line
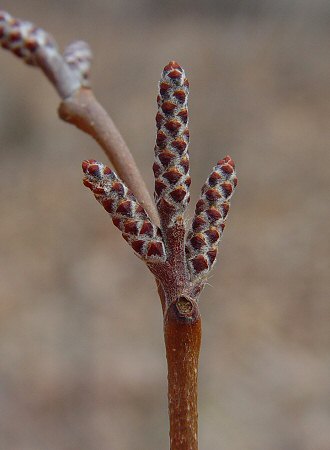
(171, 166)
(126, 213)
(210, 216)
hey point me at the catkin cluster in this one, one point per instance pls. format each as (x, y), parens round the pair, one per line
(23, 38)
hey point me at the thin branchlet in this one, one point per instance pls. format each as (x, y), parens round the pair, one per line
(70, 75)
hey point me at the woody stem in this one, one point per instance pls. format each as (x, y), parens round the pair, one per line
(182, 341)
(84, 111)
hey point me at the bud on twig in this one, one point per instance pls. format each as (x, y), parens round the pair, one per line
(78, 56)
(37, 48)
(23, 38)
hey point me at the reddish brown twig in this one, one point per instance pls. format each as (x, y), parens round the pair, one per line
(84, 111)
(182, 333)
(179, 260)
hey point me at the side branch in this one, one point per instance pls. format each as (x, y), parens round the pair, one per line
(69, 74)
(84, 111)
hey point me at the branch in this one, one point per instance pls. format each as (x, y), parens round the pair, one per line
(84, 111)
(69, 74)
(179, 262)
(182, 333)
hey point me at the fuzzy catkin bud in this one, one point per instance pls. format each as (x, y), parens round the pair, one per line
(171, 167)
(126, 213)
(210, 216)
(24, 38)
(78, 56)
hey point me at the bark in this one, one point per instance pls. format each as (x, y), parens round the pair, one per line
(182, 333)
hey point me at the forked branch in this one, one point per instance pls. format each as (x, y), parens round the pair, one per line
(180, 259)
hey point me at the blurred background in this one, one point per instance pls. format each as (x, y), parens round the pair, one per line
(82, 363)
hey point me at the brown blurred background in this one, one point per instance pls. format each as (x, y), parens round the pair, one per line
(82, 362)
